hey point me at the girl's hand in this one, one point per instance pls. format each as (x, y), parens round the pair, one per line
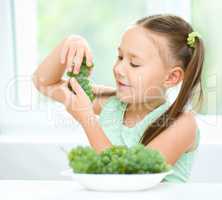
(79, 104)
(74, 49)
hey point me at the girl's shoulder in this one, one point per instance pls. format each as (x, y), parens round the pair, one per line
(188, 119)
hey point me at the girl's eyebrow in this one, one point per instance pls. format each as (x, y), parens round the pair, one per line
(131, 54)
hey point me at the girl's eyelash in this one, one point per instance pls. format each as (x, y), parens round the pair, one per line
(134, 65)
(120, 58)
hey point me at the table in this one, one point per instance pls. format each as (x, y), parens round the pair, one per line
(67, 190)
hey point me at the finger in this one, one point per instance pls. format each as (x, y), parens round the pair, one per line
(89, 57)
(71, 55)
(78, 59)
(64, 53)
(76, 87)
(69, 97)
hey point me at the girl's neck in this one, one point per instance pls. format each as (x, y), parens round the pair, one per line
(144, 108)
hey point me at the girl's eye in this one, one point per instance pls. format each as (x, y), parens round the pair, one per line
(120, 58)
(134, 65)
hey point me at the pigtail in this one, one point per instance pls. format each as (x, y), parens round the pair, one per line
(192, 79)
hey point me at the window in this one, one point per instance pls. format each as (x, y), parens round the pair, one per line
(33, 28)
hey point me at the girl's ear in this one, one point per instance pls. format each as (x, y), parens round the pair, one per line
(175, 75)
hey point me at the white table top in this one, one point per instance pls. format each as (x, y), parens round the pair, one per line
(65, 190)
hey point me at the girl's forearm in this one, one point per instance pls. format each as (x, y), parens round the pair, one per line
(102, 90)
(95, 134)
(50, 71)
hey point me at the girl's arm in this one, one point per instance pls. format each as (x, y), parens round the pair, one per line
(95, 134)
(50, 71)
(81, 108)
(177, 139)
(102, 93)
(48, 76)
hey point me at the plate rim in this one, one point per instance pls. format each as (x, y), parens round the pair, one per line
(70, 172)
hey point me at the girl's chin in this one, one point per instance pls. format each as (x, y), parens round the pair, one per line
(124, 97)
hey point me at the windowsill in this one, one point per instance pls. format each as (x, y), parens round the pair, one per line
(44, 135)
(55, 139)
(65, 139)
(210, 130)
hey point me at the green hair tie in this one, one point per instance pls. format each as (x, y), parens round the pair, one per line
(191, 39)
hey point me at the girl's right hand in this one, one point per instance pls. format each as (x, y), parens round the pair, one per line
(75, 47)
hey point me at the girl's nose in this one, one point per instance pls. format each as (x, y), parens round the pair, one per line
(120, 70)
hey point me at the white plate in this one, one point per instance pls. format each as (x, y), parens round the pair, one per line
(117, 182)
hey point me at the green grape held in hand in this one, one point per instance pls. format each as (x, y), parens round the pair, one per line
(82, 78)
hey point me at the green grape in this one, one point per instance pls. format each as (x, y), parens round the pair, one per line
(118, 159)
(83, 159)
(82, 79)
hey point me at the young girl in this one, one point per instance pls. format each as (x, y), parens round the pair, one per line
(155, 54)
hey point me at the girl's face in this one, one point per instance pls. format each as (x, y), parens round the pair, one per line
(139, 70)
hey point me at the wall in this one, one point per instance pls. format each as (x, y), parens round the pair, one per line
(206, 17)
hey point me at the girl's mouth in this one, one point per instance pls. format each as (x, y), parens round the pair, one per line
(122, 85)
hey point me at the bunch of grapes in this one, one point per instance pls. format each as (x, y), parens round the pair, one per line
(142, 160)
(113, 160)
(82, 78)
(83, 159)
(118, 159)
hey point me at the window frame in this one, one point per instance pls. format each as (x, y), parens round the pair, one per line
(19, 31)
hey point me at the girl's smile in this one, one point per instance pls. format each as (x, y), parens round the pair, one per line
(122, 85)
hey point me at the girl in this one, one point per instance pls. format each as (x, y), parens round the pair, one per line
(155, 54)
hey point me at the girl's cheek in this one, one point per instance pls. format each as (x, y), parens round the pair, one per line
(141, 84)
(153, 89)
(138, 79)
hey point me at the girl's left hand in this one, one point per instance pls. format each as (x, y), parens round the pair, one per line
(79, 104)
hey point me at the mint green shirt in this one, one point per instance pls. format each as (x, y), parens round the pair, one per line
(111, 121)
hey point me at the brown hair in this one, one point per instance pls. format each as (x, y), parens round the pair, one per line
(176, 30)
